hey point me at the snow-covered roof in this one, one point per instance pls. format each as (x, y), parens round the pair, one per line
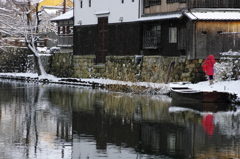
(66, 16)
(213, 14)
(161, 17)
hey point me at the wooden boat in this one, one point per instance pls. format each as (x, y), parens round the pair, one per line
(188, 94)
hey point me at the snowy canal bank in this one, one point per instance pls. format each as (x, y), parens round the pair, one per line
(128, 87)
(112, 85)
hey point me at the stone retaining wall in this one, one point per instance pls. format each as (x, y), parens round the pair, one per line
(158, 69)
(83, 66)
(61, 65)
(13, 59)
(45, 59)
(140, 68)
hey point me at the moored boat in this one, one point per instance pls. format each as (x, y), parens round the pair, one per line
(188, 94)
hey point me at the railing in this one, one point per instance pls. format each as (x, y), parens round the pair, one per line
(65, 40)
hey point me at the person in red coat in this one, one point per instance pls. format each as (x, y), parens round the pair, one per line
(208, 67)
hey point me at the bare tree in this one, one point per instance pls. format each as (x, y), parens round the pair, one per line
(21, 18)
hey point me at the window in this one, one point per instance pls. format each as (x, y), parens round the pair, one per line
(173, 35)
(174, 1)
(90, 3)
(148, 3)
(122, 1)
(151, 36)
(81, 4)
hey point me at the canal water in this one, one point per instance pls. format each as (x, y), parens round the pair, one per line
(55, 121)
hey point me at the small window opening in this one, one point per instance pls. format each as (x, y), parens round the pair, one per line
(173, 35)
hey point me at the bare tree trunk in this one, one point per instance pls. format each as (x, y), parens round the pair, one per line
(36, 60)
(31, 40)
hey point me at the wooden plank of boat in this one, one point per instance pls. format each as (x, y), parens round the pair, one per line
(186, 94)
(216, 97)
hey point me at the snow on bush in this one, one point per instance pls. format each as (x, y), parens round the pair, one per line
(223, 71)
(228, 68)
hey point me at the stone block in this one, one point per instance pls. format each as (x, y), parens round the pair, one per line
(185, 75)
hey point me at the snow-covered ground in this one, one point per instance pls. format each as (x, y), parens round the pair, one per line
(229, 86)
(224, 86)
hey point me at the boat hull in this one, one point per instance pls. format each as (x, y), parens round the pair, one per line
(191, 95)
(186, 95)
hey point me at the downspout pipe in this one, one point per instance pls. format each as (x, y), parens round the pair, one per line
(169, 71)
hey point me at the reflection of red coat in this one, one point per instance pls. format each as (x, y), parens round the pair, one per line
(209, 63)
(207, 123)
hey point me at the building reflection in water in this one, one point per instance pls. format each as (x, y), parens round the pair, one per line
(114, 124)
(72, 122)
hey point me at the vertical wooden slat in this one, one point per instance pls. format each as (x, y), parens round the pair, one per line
(102, 40)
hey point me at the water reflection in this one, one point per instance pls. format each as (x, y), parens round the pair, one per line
(32, 126)
(53, 121)
(121, 126)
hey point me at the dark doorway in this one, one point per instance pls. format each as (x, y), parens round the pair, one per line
(102, 40)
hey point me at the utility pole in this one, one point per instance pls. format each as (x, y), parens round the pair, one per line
(64, 11)
(64, 6)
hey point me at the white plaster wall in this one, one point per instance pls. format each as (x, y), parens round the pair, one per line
(113, 9)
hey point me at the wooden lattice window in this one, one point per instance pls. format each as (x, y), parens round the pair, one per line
(151, 36)
(174, 1)
(148, 3)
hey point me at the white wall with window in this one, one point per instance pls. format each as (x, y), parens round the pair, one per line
(87, 12)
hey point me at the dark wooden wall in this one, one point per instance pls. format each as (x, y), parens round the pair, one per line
(169, 49)
(213, 4)
(186, 39)
(195, 39)
(165, 48)
(124, 39)
(85, 40)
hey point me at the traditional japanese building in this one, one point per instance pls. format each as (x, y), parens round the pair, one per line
(194, 28)
(188, 29)
(65, 31)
